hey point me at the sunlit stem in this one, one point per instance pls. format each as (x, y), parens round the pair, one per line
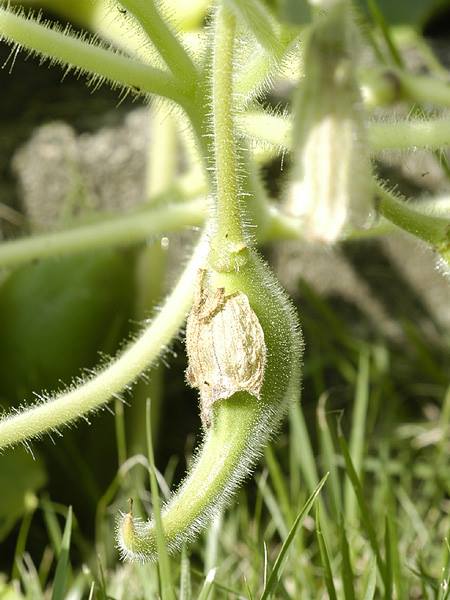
(86, 56)
(122, 230)
(167, 44)
(430, 228)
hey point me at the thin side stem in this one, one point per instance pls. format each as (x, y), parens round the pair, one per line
(76, 402)
(432, 229)
(275, 130)
(118, 231)
(167, 44)
(259, 21)
(433, 134)
(256, 75)
(424, 89)
(229, 234)
(88, 57)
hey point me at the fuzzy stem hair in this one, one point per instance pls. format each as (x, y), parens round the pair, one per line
(88, 57)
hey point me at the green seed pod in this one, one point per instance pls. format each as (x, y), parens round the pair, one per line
(330, 182)
(247, 405)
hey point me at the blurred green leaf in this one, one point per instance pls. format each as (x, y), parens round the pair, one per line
(56, 316)
(406, 12)
(19, 475)
(296, 12)
(410, 12)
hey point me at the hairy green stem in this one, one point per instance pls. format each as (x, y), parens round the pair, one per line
(275, 130)
(68, 406)
(259, 21)
(241, 424)
(124, 230)
(432, 133)
(89, 57)
(424, 89)
(256, 75)
(229, 234)
(167, 44)
(121, 230)
(432, 229)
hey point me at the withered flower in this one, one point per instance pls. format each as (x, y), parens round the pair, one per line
(225, 346)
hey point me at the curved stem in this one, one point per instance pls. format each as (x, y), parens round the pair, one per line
(88, 57)
(169, 47)
(122, 230)
(241, 424)
(432, 229)
(229, 235)
(78, 401)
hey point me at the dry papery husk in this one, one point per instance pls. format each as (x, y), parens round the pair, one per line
(225, 346)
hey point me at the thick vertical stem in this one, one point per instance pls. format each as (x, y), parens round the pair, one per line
(228, 239)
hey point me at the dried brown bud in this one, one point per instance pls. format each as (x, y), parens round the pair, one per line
(225, 347)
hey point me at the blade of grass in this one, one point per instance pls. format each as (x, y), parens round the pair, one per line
(278, 480)
(444, 587)
(369, 592)
(163, 556)
(303, 449)
(274, 508)
(185, 576)
(366, 517)
(212, 546)
(29, 578)
(358, 432)
(212, 542)
(52, 524)
(325, 560)
(391, 525)
(119, 422)
(63, 565)
(45, 565)
(275, 574)
(328, 455)
(346, 564)
(30, 502)
(388, 561)
(217, 584)
(208, 585)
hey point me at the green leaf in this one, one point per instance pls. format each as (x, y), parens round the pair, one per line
(410, 12)
(56, 316)
(295, 12)
(20, 474)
